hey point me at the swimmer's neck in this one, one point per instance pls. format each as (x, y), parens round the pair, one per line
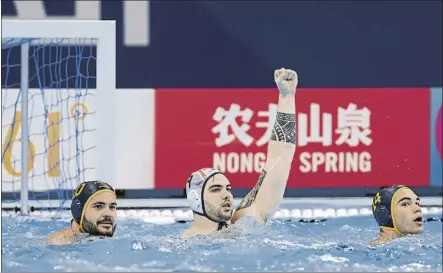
(387, 235)
(75, 228)
(205, 223)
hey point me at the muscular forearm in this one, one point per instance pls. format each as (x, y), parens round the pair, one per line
(286, 104)
(282, 142)
(281, 150)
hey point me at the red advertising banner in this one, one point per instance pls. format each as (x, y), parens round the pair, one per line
(345, 137)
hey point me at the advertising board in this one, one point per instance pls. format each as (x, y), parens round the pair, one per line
(345, 137)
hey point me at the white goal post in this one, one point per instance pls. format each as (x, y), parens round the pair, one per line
(42, 32)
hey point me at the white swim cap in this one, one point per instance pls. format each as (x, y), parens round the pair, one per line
(195, 188)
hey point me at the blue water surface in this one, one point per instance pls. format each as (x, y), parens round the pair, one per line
(335, 245)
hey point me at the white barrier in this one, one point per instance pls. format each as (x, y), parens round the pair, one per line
(168, 216)
(302, 203)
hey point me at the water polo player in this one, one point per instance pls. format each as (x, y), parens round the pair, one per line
(397, 211)
(94, 211)
(209, 191)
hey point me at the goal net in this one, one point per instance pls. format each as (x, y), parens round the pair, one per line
(57, 110)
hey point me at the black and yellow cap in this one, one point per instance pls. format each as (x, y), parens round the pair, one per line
(83, 194)
(383, 207)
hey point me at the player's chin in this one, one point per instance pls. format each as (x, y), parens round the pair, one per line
(419, 230)
(109, 232)
(416, 230)
(226, 214)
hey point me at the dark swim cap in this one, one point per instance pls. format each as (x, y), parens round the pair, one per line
(83, 194)
(383, 207)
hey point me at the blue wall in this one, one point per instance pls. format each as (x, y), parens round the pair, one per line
(238, 44)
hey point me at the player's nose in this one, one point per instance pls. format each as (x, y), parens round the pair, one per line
(417, 209)
(226, 195)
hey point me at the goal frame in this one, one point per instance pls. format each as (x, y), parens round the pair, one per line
(104, 32)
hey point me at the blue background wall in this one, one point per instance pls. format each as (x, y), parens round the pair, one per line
(237, 44)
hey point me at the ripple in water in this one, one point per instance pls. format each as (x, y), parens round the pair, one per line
(334, 245)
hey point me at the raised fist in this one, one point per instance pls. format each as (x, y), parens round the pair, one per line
(286, 80)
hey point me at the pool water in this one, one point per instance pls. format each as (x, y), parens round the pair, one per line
(334, 245)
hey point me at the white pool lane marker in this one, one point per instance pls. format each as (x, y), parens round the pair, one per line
(169, 216)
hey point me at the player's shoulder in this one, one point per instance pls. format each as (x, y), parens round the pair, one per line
(377, 241)
(61, 237)
(189, 232)
(244, 212)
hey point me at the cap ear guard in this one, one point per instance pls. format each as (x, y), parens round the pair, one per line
(382, 215)
(76, 210)
(194, 192)
(194, 199)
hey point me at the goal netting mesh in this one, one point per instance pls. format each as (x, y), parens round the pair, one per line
(61, 106)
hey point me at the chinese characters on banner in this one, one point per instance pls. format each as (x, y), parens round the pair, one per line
(345, 137)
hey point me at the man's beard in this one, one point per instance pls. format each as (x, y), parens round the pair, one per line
(215, 214)
(92, 228)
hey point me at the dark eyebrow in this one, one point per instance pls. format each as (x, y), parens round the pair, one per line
(404, 198)
(219, 186)
(103, 203)
(215, 186)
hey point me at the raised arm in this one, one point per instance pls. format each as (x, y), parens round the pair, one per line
(264, 199)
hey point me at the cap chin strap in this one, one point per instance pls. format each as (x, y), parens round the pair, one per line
(221, 225)
(392, 228)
